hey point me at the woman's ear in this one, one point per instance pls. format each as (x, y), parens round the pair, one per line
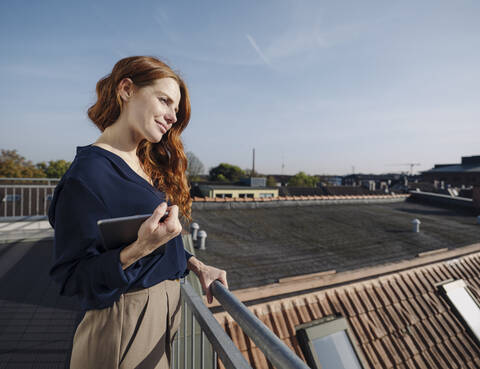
(126, 89)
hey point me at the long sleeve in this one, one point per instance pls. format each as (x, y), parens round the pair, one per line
(81, 265)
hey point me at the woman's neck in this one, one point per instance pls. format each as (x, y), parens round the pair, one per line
(119, 139)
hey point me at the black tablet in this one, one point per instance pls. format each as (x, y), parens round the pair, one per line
(120, 232)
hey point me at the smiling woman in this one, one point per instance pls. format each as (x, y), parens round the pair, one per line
(147, 80)
(130, 295)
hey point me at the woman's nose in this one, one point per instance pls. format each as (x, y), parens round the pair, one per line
(171, 117)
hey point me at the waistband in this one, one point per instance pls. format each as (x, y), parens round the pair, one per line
(152, 289)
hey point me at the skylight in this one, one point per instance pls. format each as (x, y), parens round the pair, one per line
(465, 304)
(328, 344)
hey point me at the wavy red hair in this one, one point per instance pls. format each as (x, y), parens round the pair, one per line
(164, 162)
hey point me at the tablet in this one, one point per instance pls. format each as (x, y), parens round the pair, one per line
(120, 232)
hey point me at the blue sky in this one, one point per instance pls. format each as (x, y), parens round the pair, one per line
(320, 86)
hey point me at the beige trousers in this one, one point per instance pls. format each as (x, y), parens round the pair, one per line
(136, 332)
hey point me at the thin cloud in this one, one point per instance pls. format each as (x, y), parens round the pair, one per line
(258, 50)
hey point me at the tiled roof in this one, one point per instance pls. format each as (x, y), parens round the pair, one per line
(399, 320)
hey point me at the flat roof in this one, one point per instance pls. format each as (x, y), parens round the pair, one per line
(259, 246)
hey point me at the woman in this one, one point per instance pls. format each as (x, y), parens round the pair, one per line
(130, 295)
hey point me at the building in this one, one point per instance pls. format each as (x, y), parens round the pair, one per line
(421, 314)
(231, 191)
(465, 174)
(355, 271)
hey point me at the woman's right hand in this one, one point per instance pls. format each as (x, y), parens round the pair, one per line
(153, 233)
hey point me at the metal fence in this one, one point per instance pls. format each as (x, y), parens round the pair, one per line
(201, 342)
(26, 196)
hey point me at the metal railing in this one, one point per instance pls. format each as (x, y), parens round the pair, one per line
(26, 196)
(192, 350)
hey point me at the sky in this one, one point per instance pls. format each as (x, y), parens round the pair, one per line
(315, 86)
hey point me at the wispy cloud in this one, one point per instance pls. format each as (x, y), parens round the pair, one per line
(258, 50)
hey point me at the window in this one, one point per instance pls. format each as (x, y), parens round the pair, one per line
(265, 195)
(464, 304)
(327, 344)
(245, 195)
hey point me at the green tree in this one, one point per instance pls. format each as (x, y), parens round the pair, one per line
(302, 179)
(271, 182)
(13, 165)
(55, 168)
(226, 172)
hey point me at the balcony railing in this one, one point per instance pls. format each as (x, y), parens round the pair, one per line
(26, 196)
(201, 341)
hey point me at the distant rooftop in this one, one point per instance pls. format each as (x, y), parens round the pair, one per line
(259, 246)
(468, 164)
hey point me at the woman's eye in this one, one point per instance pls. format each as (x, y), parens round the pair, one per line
(164, 100)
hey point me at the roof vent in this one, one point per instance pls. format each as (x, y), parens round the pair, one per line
(194, 229)
(202, 235)
(416, 225)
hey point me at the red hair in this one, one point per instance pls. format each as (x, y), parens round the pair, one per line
(164, 162)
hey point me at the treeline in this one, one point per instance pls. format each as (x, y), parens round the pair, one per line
(13, 165)
(231, 173)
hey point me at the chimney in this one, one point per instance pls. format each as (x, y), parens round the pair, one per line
(253, 164)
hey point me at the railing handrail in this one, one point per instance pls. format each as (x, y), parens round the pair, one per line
(29, 179)
(274, 349)
(28, 185)
(229, 354)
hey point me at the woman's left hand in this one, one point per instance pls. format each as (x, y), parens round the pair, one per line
(207, 274)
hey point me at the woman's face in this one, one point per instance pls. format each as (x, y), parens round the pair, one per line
(151, 110)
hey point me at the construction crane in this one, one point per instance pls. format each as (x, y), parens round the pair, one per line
(411, 165)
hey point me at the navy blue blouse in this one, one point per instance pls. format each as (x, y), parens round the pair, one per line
(98, 185)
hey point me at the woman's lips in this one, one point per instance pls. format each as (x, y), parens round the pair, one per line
(162, 126)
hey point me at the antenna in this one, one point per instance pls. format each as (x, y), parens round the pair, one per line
(283, 163)
(411, 165)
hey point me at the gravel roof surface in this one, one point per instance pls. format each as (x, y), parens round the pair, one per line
(259, 246)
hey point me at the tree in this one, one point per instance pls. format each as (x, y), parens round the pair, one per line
(195, 166)
(271, 181)
(226, 173)
(13, 165)
(55, 168)
(302, 179)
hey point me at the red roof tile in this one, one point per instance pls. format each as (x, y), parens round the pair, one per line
(397, 320)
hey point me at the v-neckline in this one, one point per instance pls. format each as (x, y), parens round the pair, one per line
(123, 161)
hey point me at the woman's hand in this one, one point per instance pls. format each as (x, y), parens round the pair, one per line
(152, 234)
(207, 274)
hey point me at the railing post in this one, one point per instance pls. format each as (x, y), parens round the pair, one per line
(274, 349)
(221, 343)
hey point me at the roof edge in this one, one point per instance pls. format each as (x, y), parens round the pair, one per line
(328, 280)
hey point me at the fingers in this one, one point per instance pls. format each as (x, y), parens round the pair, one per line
(223, 279)
(158, 213)
(173, 212)
(173, 224)
(209, 295)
